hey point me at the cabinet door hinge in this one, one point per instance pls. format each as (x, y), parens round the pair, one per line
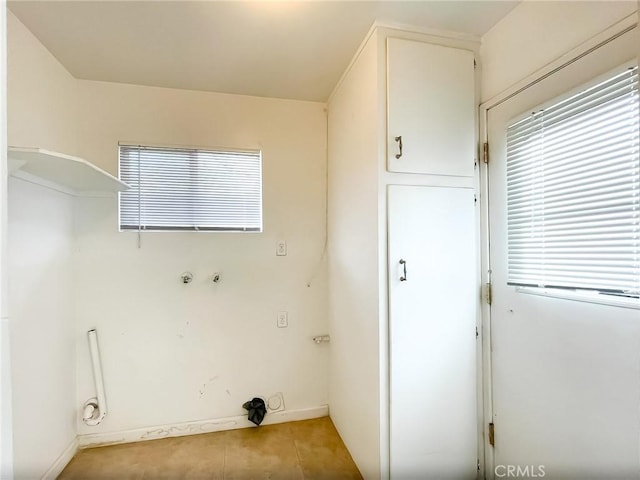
(478, 464)
(476, 332)
(486, 293)
(475, 199)
(492, 435)
(485, 152)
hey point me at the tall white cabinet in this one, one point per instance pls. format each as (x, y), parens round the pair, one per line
(404, 289)
(431, 262)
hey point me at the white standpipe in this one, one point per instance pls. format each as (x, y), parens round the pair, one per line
(95, 409)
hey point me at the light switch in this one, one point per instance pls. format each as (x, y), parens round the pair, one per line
(283, 319)
(281, 248)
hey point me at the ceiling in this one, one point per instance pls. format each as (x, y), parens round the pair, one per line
(294, 50)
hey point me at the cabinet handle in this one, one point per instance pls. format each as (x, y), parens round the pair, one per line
(399, 140)
(403, 278)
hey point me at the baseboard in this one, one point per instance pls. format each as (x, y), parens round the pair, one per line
(62, 461)
(193, 428)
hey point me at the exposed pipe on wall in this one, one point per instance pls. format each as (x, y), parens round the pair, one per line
(95, 409)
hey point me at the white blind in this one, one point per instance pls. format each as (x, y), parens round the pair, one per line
(190, 189)
(573, 192)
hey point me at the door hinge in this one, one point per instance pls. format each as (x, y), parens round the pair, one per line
(492, 435)
(476, 332)
(485, 152)
(478, 464)
(475, 199)
(487, 293)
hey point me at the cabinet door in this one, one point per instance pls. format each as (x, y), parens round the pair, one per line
(432, 319)
(430, 109)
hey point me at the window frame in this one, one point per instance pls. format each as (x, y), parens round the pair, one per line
(192, 172)
(576, 293)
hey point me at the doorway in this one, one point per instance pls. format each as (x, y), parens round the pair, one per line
(562, 372)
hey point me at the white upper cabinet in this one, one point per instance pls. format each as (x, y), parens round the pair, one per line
(430, 109)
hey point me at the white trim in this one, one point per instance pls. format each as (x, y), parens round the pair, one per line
(488, 460)
(432, 32)
(62, 461)
(582, 296)
(193, 428)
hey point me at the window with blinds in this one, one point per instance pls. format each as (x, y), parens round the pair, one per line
(573, 192)
(190, 189)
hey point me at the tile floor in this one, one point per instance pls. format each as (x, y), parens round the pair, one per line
(310, 449)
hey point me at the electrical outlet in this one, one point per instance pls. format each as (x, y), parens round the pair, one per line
(283, 319)
(281, 248)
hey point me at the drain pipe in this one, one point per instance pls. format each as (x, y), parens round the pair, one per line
(95, 409)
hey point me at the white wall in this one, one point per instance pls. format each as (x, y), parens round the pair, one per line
(535, 33)
(177, 353)
(353, 261)
(42, 336)
(41, 112)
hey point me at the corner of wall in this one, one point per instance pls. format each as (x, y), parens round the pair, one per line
(41, 112)
(6, 419)
(545, 31)
(353, 258)
(42, 96)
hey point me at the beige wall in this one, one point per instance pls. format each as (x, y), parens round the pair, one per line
(176, 353)
(6, 430)
(537, 32)
(41, 112)
(41, 104)
(171, 353)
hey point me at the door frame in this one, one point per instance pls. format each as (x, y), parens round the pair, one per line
(626, 24)
(6, 422)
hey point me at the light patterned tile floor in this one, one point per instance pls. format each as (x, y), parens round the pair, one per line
(310, 449)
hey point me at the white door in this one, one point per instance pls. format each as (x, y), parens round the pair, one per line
(431, 109)
(566, 373)
(432, 295)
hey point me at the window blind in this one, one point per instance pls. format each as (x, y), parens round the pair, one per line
(573, 192)
(190, 189)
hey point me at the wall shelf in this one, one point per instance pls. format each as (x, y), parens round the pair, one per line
(75, 175)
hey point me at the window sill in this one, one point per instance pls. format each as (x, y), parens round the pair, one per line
(186, 230)
(582, 296)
